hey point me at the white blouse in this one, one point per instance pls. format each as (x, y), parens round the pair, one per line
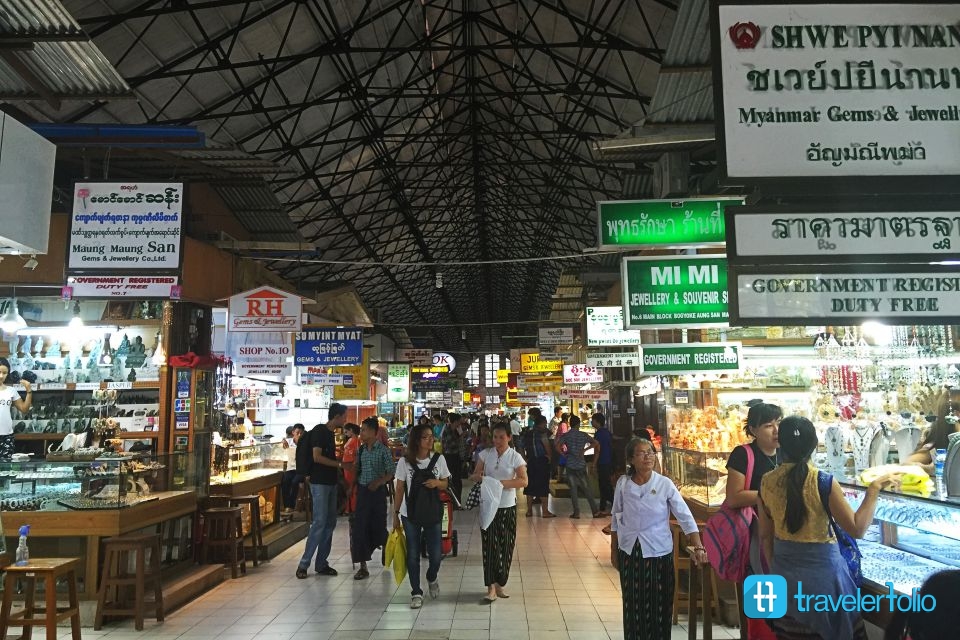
(503, 468)
(642, 512)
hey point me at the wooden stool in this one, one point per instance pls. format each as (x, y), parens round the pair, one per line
(681, 562)
(116, 560)
(305, 500)
(256, 525)
(223, 529)
(47, 570)
(702, 576)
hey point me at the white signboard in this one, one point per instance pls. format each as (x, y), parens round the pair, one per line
(125, 226)
(823, 295)
(260, 354)
(265, 309)
(418, 357)
(837, 90)
(584, 396)
(122, 286)
(581, 374)
(327, 379)
(444, 360)
(815, 236)
(398, 382)
(553, 336)
(605, 328)
(625, 359)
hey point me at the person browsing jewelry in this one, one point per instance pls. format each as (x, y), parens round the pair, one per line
(641, 544)
(10, 397)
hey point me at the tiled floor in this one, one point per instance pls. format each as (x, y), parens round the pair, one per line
(561, 585)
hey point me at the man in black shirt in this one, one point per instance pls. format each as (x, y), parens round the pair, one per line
(323, 490)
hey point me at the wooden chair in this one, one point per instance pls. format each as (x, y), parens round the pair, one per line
(115, 577)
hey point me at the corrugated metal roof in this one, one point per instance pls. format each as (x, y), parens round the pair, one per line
(57, 60)
(682, 97)
(689, 41)
(258, 210)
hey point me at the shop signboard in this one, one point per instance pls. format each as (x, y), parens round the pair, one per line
(532, 363)
(125, 227)
(664, 224)
(435, 384)
(329, 346)
(692, 357)
(605, 328)
(360, 390)
(675, 292)
(118, 286)
(829, 91)
(265, 309)
(798, 236)
(327, 379)
(584, 395)
(503, 375)
(444, 360)
(555, 336)
(260, 354)
(845, 294)
(416, 357)
(624, 359)
(581, 374)
(398, 382)
(648, 386)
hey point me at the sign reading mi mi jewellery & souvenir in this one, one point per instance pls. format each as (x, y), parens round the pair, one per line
(832, 90)
(825, 294)
(803, 237)
(662, 223)
(682, 359)
(675, 291)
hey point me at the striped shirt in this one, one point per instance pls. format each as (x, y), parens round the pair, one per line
(374, 463)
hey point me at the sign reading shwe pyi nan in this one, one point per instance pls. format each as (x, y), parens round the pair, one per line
(676, 291)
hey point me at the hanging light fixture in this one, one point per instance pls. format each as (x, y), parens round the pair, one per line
(11, 321)
(76, 322)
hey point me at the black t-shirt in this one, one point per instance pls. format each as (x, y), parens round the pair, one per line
(322, 438)
(762, 463)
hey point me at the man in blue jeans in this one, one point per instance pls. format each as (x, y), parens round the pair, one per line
(323, 490)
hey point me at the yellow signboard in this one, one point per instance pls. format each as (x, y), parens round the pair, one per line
(361, 381)
(466, 397)
(531, 363)
(503, 376)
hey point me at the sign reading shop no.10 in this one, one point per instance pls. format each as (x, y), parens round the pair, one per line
(674, 292)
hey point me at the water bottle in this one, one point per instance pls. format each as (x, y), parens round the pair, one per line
(938, 461)
(23, 553)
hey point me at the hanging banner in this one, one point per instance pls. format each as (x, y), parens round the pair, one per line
(581, 374)
(361, 381)
(835, 90)
(260, 354)
(265, 309)
(665, 224)
(604, 360)
(675, 292)
(125, 227)
(398, 382)
(837, 294)
(791, 236)
(420, 357)
(122, 286)
(689, 358)
(554, 336)
(605, 328)
(589, 395)
(329, 346)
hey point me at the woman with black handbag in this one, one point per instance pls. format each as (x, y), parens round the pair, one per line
(798, 536)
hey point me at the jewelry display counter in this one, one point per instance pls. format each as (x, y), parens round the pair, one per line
(250, 470)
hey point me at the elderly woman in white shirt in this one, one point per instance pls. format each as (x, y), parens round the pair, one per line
(641, 545)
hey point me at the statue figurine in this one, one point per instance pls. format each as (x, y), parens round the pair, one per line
(124, 347)
(137, 353)
(132, 376)
(53, 351)
(116, 370)
(37, 345)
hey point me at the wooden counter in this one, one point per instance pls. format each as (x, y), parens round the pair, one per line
(266, 482)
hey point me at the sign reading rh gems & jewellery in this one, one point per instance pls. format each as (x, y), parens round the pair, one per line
(833, 90)
(662, 223)
(674, 291)
(828, 294)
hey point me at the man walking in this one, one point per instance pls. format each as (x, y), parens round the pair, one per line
(323, 490)
(450, 442)
(604, 462)
(577, 442)
(375, 469)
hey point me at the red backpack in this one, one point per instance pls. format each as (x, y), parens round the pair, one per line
(726, 535)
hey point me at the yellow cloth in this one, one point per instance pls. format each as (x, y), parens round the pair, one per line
(774, 493)
(395, 553)
(913, 479)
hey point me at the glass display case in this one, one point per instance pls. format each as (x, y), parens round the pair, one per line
(231, 464)
(701, 476)
(90, 481)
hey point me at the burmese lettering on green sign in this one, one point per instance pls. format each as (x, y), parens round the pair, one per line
(666, 292)
(682, 359)
(662, 223)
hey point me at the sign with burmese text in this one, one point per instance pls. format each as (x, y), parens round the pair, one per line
(675, 292)
(837, 89)
(802, 237)
(683, 359)
(329, 346)
(825, 294)
(125, 227)
(666, 224)
(398, 382)
(605, 328)
(554, 336)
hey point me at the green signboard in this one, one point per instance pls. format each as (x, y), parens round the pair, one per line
(670, 292)
(662, 223)
(681, 359)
